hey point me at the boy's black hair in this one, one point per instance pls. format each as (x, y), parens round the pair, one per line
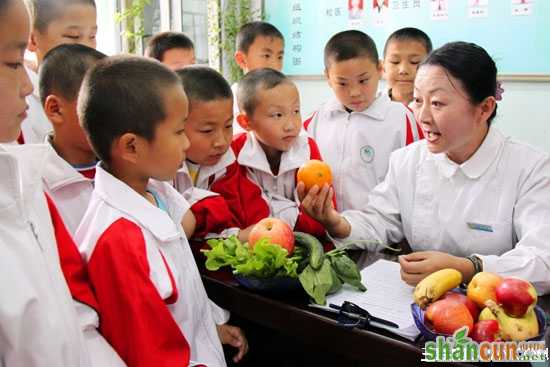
(348, 45)
(248, 33)
(410, 34)
(204, 84)
(63, 69)
(264, 78)
(162, 42)
(3, 6)
(123, 94)
(44, 11)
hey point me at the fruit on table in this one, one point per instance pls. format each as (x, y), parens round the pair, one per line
(276, 230)
(482, 287)
(314, 172)
(459, 297)
(450, 316)
(486, 314)
(515, 328)
(486, 331)
(435, 285)
(516, 296)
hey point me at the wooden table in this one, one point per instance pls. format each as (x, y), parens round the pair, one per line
(291, 316)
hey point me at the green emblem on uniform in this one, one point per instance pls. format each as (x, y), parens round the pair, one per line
(367, 154)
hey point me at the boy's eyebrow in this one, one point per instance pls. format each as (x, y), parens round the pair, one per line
(357, 76)
(19, 45)
(267, 49)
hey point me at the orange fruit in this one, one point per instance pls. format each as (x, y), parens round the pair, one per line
(314, 172)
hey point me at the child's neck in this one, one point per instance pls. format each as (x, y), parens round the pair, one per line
(73, 155)
(136, 181)
(273, 158)
(404, 98)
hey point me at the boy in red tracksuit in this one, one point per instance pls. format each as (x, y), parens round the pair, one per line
(271, 152)
(209, 164)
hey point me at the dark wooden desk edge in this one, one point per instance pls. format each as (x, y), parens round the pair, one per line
(288, 318)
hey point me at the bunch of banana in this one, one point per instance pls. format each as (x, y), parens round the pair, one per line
(514, 328)
(431, 288)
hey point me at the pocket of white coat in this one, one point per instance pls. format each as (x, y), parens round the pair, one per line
(489, 237)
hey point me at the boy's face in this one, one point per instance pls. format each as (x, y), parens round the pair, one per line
(177, 58)
(209, 128)
(165, 154)
(401, 63)
(264, 52)
(14, 82)
(354, 81)
(75, 24)
(276, 121)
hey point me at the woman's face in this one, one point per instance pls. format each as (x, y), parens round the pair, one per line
(14, 82)
(452, 124)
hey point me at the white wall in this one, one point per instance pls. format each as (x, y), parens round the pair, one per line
(520, 114)
(108, 31)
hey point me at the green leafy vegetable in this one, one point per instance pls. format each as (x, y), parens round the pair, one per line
(265, 260)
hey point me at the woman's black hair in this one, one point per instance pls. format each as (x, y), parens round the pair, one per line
(470, 64)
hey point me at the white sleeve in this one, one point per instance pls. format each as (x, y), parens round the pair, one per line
(282, 208)
(219, 315)
(530, 258)
(380, 221)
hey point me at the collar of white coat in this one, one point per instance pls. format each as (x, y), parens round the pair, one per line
(123, 198)
(478, 163)
(28, 160)
(377, 110)
(253, 155)
(206, 171)
(33, 77)
(58, 172)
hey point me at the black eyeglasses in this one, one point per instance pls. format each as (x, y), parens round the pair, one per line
(352, 315)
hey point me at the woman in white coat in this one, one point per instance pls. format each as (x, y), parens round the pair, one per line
(466, 197)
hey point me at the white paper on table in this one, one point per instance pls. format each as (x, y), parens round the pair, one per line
(387, 297)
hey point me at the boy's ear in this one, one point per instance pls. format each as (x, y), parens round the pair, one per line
(31, 46)
(53, 109)
(380, 68)
(243, 120)
(127, 147)
(240, 59)
(383, 68)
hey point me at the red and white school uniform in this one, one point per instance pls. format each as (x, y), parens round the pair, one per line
(69, 187)
(214, 218)
(153, 302)
(357, 145)
(38, 321)
(36, 127)
(263, 194)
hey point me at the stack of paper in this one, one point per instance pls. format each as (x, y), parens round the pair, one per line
(387, 297)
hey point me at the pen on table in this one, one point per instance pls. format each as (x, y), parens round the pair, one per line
(361, 317)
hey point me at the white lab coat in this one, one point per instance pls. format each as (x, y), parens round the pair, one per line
(357, 145)
(172, 268)
(495, 205)
(38, 321)
(69, 189)
(36, 127)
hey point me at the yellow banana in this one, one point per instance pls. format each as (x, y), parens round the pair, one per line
(486, 314)
(515, 328)
(435, 285)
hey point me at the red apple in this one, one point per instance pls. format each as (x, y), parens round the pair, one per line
(276, 230)
(486, 331)
(516, 296)
(451, 316)
(482, 287)
(459, 297)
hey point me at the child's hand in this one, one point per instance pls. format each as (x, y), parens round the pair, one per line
(243, 233)
(418, 265)
(233, 336)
